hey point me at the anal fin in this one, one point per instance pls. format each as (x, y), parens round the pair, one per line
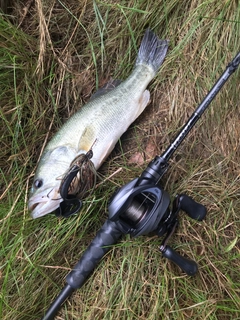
(143, 101)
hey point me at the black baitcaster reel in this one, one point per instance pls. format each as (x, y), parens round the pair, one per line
(135, 210)
(139, 208)
(142, 208)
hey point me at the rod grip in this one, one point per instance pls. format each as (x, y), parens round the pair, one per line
(188, 266)
(195, 210)
(101, 244)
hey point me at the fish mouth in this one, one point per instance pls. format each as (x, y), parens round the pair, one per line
(41, 209)
(42, 205)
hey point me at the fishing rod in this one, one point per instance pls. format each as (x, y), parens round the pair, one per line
(142, 206)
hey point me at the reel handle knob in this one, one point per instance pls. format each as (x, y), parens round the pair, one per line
(195, 210)
(188, 266)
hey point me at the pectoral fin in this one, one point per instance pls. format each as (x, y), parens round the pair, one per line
(87, 139)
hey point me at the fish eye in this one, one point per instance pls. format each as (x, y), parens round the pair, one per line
(38, 183)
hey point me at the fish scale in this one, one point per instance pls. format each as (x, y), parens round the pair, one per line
(98, 125)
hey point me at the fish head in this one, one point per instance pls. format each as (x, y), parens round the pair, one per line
(45, 192)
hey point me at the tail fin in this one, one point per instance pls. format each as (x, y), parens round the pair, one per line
(152, 50)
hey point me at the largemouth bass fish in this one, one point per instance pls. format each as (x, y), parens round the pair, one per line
(97, 126)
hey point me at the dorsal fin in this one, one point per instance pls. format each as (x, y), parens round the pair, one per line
(110, 85)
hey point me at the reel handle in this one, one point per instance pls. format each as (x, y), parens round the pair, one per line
(193, 209)
(188, 266)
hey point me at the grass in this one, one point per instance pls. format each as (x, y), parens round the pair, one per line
(53, 56)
